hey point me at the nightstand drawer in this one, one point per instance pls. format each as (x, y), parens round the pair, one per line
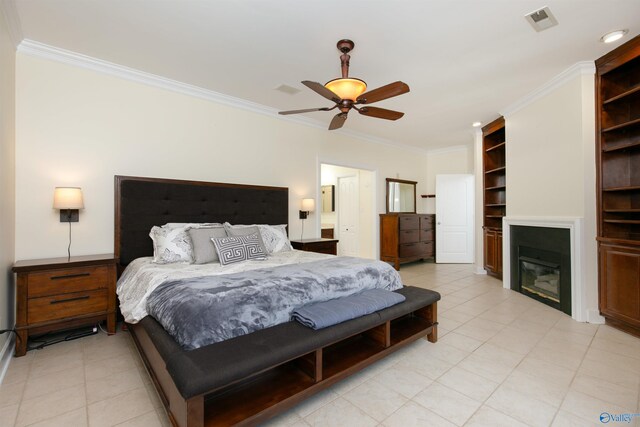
(67, 280)
(58, 307)
(322, 248)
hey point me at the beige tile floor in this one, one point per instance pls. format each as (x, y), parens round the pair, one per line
(502, 360)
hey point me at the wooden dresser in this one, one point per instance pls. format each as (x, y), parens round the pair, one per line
(406, 237)
(57, 294)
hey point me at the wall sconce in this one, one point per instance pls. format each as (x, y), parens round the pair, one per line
(308, 205)
(69, 201)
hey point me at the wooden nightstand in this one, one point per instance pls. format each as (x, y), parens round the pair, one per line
(323, 246)
(56, 293)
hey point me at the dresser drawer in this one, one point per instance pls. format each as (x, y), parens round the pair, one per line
(409, 222)
(426, 235)
(420, 249)
(58, 307)
(409, 236)
(67, 280)
(427, 222)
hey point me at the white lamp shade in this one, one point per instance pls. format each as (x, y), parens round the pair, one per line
(68, 198)
(308, 205)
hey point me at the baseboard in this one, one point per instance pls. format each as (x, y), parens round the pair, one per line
(480, 270)
(593, 316)
(5, 356)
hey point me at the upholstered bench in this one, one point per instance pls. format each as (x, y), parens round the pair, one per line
(288, 361)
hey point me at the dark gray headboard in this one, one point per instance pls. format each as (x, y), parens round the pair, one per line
(141, 203)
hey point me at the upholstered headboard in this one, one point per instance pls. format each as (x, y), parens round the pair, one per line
(141, 203)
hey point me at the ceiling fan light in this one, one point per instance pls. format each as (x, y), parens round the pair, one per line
(347, 88)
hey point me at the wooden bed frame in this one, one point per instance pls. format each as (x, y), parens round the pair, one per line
(260, 395)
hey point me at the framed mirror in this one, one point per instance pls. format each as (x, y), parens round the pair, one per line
(328, 198)
(401, 196)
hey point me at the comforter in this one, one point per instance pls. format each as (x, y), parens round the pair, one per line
(204, 310)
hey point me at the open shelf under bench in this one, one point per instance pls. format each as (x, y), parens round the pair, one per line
(262, 395)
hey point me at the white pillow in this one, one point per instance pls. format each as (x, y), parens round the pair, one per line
(274, 236)
(171, 242)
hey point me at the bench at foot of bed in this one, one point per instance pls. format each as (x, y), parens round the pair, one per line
(249, 379)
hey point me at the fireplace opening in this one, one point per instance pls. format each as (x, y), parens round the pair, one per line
(540, 279)
(541, 265)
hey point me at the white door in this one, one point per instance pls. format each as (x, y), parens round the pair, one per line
(348, 215)
(454, 218)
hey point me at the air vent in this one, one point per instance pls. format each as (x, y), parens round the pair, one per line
(541, 19)
(288, 89)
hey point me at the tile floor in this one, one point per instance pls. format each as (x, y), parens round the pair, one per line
(502, 360)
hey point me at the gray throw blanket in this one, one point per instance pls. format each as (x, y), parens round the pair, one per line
(204, 310)
(332, 312)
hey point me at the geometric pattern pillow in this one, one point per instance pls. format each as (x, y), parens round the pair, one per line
(238, 248)
(274, 237)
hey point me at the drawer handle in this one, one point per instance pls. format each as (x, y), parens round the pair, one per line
(70, 299)
(69, 276)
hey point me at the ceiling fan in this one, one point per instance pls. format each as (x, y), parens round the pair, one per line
(347, 92)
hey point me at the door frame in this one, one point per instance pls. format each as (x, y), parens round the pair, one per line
(375, 224)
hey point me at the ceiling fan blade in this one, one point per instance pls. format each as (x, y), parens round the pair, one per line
(380, 113)
(384, 92)
(308, 110)
(338, 121)
(320, 89)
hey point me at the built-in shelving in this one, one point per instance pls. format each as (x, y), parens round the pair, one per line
(618, 175)
(494, 169)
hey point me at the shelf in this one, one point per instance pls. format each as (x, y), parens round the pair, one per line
(428, 196)
(495, 205)
(622, 125)
(256, 394)
(407, 327)
(495, 147)
(496, 170)
(494, 216)
(621, 147)
(499, 187)
(622, 221)
(622, 210)
(345, 354)
(631, 91)
(628, 188)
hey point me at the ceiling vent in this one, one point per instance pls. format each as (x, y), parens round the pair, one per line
(288, 89)
(541, 19)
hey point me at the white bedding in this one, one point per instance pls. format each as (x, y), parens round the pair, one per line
(142, 276)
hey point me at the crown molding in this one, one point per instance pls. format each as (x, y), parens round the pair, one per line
(448, 149)
(578, 69)
(12, 19)
(41, 50)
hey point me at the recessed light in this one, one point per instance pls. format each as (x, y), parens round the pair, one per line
(476, 124)
(613, 36)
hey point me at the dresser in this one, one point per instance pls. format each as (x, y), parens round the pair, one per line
(58, 293)
(406, 237)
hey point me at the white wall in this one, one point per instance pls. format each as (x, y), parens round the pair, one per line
(79, 127)
(7, 180)
(451, 160)
(550, 157)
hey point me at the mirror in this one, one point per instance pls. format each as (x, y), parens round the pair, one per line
(401, 196)
(328, 198)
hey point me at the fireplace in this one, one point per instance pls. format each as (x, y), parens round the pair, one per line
(541, 265)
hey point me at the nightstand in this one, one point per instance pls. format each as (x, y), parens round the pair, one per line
(56, 294)
(323, 246)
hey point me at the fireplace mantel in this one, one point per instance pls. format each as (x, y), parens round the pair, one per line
(579, 308)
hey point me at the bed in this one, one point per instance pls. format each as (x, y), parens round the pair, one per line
(250, 378)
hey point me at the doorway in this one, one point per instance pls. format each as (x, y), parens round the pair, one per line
(349, 211)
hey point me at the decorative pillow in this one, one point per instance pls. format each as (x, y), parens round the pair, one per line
(239, 248)
(203, 250)
(245, 231)
(274, 237)
(171, 243)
